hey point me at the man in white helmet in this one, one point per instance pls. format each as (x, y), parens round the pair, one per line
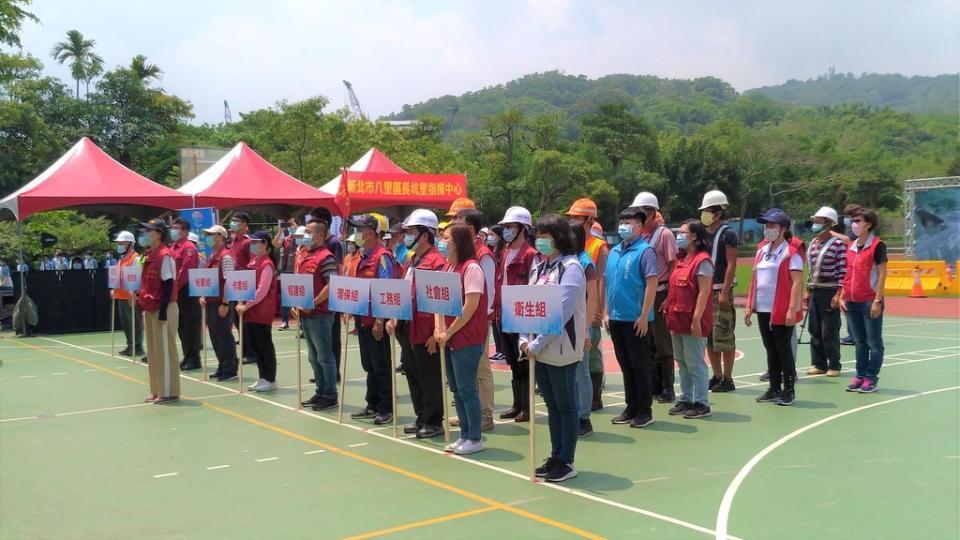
(721, 343)
(126, 310)
(827, 257)
(664, 245)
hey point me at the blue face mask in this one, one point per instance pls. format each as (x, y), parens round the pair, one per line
(306, 240)
(234, 226)
(625, 230)
(144, 241)
(409, 240)
(121, 248)
(255, 248)
(491, 241)
(443, 248)
(509, 234)
(847, 222)
(817, 227)
(545, 246)
(682, 241)
(174, 234)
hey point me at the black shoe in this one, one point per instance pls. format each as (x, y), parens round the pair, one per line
(324, 404)
(765, 376)
(622, 418)
(667, 397)
(185, 366)
(561, 472)
(725, 385)
(228, 377)
(510, 414)
(215, 375)
(140, 352)
(429, 432)
(383, 418)
(679, 408)
(411, 428)
(786, 398)
(522, 417)
(768, 396)
(586, 427)
(144, 359)
(641, 421)
(714, 381)
(312, 381)
(249, 360)
(699, 410)
(847, 340)
(314, 399)
(363, 413)
(548, 465)
(124, 352)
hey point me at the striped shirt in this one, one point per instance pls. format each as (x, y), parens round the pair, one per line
(833, 267)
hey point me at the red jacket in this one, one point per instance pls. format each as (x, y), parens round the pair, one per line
(310, 262)
(857, 286)
(421, 325)
(150, 282)
(682, 295)
(475, 331)
(265, 311)
(781, 296)
(517, 273)
(186, 256)
(214, 262)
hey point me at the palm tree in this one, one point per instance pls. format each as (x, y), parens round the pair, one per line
(84, 63)
(144, 71)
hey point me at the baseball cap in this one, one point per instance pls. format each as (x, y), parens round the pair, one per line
(155, 225)
(365, 220)
(259, 236)
(241, 216)
(774, 215)
(217, 229)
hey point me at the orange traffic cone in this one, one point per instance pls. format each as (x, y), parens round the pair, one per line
(917, 291)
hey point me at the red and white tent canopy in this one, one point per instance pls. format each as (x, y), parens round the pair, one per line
(86, 178)
(244, 180)
(376, 182)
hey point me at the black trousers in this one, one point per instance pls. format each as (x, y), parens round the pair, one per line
(336, 341)
(633, 355)
(497, 337)
(823, 324)
(409, 367)
(260, 337)
(125, 315)
(375, 359)
(423, 377)
(190, 328)
(778, 340)
(662, 374)
(221, 336)
(519, 369)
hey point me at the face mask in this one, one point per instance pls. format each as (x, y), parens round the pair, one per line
(847, 222)
(545, 246)
(682, 241)
(174, 234)
(706, 217)
(409, 240)
(121, 249)
(491, 241)
(77, 266)
(234, 226)
(771, 234)
(307, 240)
(144, 241)
(255, 248)
(625, 230)
(443, 248)
(857, 227)
(817, 228)
(351, 248)
(509, 234)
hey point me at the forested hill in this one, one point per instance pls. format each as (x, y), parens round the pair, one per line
(918, 94)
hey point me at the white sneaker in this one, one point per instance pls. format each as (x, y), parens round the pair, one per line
(265, 385)
(469, 447)
(452, 447)
(253, 387)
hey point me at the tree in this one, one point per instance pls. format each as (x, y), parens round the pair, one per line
(622, 136)
(144, 71)
(78, 50)
(12, 15)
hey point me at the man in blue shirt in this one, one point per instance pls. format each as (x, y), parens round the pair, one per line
(631, 277)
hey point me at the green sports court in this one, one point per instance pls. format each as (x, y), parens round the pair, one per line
(81, 456)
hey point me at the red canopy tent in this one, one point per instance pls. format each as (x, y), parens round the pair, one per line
(376, 182)
(244, 180)
(86, 178)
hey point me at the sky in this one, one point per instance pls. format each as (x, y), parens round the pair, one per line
(255, 53)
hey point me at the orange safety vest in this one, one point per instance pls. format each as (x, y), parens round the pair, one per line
(127, 260)
(593, 248)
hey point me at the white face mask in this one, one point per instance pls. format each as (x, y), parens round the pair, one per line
(771, 234)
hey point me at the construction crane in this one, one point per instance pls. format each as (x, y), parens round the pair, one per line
(453, 115)
(227, 117)
(354, 102)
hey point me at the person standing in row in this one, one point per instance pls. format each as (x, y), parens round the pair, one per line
(664, 244)
(557, 356)
(420, 354)
(126, 309)
(863, 298)
(494, 242)
(775, 296)
(518, 260)
(158, 300)
(464, 336)
(631, 290)
(849, 211)
(689, 313)
(218, 310)
(584, 382)
(376, 263)
(109, 259)
(828, 266)
(89, 263)
(258, 314)
(286, 242)
(317, 323)
(336, 249)
(722, 341)
(190, 329)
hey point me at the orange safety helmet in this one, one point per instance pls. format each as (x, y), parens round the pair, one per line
(583, 208)
(462, 203)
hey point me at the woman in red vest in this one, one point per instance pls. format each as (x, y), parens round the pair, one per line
(775, 295)
(863, 298)
(258, 314)
(688, 310)
(219, 311)
(464, 336)
(158, 300)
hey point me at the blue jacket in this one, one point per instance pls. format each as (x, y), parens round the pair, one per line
(626, 283)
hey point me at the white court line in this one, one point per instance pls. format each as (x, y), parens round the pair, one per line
(266, 459)
(886, 334)
(311, 452)
(357, 445)
(59, 373)
(723, 514)
(165, 475)
(645, 480)
(217, 467)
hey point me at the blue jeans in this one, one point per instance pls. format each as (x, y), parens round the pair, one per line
(462, 365)
(867, 337)
(316, 333)
(584, 383)
(688, 350)
(558, 386)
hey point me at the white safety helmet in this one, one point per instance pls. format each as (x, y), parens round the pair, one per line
(125, 236)
(192, 236)
(713, 198)
(300, 231)
(517, 214)
(827, 213)
(645, 198)
(422, 217)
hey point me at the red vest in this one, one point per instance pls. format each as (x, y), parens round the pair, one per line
(367, 269)
(214, 262)
(240, 249)
(682, 295)
(475, 331)
(421, 326)
(309, 262)
(781, 296)
(150, 282)
(484, 251)
(860, 265)
(266, 310)
(517, 273)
